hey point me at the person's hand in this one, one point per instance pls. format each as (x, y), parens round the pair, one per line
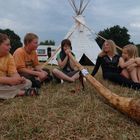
(42, 75)
(23, 80)
(131, 67)
(131, 60)
(137, 60)
(68, 51)
(17, 80)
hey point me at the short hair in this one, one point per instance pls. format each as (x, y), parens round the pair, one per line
(29, 37)
(3, 37)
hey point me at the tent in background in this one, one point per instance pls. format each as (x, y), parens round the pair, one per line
(83, 41)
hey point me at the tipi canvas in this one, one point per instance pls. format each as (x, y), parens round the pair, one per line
(83, 42)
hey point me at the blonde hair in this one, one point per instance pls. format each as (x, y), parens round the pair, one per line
(131, 50)
(29, 37)
(112, 45)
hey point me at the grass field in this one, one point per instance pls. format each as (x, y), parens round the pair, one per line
(66, 112)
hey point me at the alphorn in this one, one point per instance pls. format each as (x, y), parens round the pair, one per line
(126, 105)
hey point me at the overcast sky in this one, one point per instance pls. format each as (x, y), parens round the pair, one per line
(51, 19)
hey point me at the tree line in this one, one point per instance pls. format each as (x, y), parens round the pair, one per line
(15, 40)
(116, 33)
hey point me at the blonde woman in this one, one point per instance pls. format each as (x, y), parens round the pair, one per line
(129, 62)
(108, 59)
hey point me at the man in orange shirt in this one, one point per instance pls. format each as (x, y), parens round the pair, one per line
(11, 83)
(27, 63)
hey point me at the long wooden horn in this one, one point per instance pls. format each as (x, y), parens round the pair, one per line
(129, 106)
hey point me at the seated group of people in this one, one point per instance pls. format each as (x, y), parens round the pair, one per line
(123, 70)
(21, 74)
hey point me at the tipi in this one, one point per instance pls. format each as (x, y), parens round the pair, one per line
(83, 43)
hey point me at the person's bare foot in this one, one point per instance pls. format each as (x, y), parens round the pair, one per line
(21, 93)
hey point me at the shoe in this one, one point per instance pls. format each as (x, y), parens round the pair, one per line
(62, 81)
(82, 79)
(49, 79)
(32, 91)
(36, 84)
(56, 79)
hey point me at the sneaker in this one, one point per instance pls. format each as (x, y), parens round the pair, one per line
(49, 79)
(32, 91)
(62, 81)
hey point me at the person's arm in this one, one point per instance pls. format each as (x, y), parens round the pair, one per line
(124, 64)
(97, 65)
(61, 63)
(29, 71)
(131, 67)
(15, 79)
(6, 80)
(72, 64)
(38, 68)
(137, 60)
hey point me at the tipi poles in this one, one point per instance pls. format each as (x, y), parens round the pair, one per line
(59, 47)
(73, 5)
(95, 32)
(80, 8)
(129, 106)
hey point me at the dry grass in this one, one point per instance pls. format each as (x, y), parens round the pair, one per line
(65, 112)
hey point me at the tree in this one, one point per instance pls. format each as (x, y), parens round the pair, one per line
(48, 42)
(14, 39)
(138, 46)
(119, 35)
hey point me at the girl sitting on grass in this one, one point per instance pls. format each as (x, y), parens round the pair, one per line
(108, 59)
(67, 71)
(129, 62)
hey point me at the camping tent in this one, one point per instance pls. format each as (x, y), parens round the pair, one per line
(83, 41)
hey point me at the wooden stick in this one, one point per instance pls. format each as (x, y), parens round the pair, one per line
(129, 106)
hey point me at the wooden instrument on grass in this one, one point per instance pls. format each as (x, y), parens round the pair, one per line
(129, 106)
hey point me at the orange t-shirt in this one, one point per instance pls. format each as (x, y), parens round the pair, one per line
(7, 65)
(25, 60)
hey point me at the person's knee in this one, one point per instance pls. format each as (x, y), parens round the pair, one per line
(28, 83)
(54, 71)
(46, 70)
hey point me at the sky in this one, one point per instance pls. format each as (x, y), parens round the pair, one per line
(52, 19)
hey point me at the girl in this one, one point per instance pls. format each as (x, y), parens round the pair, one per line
(108, 59)
(67, 69)
(129, 62)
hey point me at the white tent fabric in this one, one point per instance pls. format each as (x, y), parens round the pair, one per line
(81, 37)
(83, 41)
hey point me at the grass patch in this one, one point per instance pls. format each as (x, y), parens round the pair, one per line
(65, 112)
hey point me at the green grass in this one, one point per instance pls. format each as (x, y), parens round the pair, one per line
(65, 112)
